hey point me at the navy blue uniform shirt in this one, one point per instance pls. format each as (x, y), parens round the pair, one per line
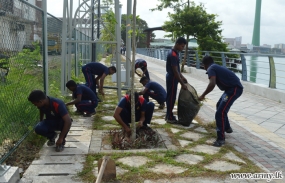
(97, 68)
(225, 78)
(85, 92)
(139, 107)
(140, 63)
(157, 88)
(56, 109)
(172, 60)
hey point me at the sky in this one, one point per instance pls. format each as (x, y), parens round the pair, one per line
(237, 17)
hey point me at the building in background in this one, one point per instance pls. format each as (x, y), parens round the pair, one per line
(233, 42)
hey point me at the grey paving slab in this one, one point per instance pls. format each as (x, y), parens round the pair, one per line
(134, 161)
(175, 130)
(111, 126)
(271, 126)
(167, 169)
(81, 132)
(159, 114)
(192, 135)
(67, 169)
(201, 129)
(59, 159)
(109, 106)
(231, 156)
(108, 118)
(222, 166)
(205, 149)
(159, 121)
(50, 179)
(184, 143)
(70, 148)
(195, 180)
(190, 159)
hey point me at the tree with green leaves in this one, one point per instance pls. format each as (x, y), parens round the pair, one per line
(141, 25)
(193, 21)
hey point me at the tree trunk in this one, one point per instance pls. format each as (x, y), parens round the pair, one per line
(133, 137)
(185, 54)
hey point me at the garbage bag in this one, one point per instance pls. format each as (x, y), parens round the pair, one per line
(188, 105)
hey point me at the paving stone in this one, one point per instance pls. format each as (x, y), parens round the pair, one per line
(233, 157)
(210, 141)
(159, 121)
(201, 129)
(185, 127)
(109, 106)
(222, 166)
(190, 159)
(192, 135)
(108, 118)
(159, 114)
(111, 126)
(167, 169)
(51, 179)
(184, 143)
(174, 130)
(134, 161)
(195, 180)
(205, 149)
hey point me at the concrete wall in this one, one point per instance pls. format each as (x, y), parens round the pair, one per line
(257, 89)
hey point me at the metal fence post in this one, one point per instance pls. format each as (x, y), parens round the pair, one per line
(244, 68)
(197, 60)
(223, 59)
(45, 51)
(118, 46)
(272, 78)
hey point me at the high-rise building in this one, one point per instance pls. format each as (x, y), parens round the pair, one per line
(233, 42)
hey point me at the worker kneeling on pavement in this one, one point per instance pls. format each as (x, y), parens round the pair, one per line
(153, 90)
(143, 112)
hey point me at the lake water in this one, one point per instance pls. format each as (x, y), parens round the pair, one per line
(258, 70)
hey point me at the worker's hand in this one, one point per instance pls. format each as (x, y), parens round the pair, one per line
(140, 123)
(185, 80)
(201, 98)
(102, 92)
(184, 87)
(128, 131)
(59, 141)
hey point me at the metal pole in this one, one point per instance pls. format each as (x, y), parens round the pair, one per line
(93, 51)
(128, 43)
(69, 61)
(45, 51)
(118, 55)
(63, 48)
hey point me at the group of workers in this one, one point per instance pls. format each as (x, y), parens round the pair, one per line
(86, 100)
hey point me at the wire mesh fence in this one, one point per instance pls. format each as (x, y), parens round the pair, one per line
(20, 71)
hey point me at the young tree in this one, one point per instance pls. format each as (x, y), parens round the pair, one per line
(193, 21)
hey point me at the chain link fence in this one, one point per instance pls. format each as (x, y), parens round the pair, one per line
(21, 71)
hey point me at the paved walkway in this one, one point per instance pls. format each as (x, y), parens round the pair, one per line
(252, 118)
(258, 123)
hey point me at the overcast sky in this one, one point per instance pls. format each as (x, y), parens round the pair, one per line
(237, 17)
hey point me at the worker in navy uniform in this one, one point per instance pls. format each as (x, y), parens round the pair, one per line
(173, 77)
(56, 118)
(154, 90)
(228, 82)
(85, 99)
(101, 71)
(143, 112)
(140, 63)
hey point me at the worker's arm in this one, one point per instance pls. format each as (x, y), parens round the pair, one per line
(177, 75)
(102, 78)
(78, 99)
(143, 92)
(118, 118)
(142, 119)
(210, 87)
(41, 115)
(66, 126)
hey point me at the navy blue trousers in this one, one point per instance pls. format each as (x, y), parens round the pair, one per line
(126, 115)
(89, 78)
(86, 106)
(47, 128)
(223, 106)
(156, 96)
(171, 89)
